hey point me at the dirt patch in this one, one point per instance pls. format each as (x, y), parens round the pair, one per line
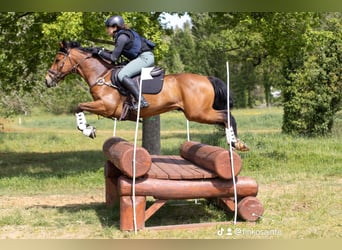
(25, 217)
(49, 200)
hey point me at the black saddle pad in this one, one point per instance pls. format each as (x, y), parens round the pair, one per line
(154, 85)
(149, 86)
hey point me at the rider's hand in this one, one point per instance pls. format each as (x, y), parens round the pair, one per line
(96, 51)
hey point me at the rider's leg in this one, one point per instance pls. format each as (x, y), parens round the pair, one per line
(132, 87)
(146, 59)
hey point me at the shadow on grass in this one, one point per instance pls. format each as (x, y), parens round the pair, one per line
(177, 212)
(174, 212)
(45, 165)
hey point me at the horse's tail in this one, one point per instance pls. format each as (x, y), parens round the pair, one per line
(220, 89)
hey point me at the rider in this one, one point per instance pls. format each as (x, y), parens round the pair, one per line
(135, 48)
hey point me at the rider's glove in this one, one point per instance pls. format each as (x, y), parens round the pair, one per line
(97, 51)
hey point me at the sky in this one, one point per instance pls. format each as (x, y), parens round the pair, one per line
(174, 20)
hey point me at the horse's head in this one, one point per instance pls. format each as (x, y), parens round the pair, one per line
(62, 65)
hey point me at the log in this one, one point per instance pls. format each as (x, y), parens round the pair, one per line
(212, 158)
(250, 209)
(111, 171)
(120, 153)
(187, 189)
(126, 212)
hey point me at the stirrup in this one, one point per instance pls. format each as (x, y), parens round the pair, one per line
(143, 104)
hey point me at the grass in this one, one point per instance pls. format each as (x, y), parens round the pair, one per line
(52, 184)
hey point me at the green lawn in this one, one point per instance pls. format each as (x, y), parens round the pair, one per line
(52, 184)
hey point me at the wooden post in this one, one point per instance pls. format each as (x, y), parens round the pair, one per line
(111, 183)
(126, 212)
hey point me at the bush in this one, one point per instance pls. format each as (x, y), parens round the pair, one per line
(312, 95)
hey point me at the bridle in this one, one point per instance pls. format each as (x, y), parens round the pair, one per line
(58, 75)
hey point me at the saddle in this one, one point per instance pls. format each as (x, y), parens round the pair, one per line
(149, 86)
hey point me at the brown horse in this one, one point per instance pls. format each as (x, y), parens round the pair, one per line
(202, 99)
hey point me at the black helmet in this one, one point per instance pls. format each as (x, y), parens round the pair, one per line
(115, 21)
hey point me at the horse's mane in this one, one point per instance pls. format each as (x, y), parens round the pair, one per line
(74, 44)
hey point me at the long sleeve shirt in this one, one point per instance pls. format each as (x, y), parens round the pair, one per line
(121, 42)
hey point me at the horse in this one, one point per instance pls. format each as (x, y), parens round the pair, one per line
(201, 98)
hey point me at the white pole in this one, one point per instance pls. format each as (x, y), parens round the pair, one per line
(230, 146)
(114, 127)
(145, 74)
(188, 129)
(134, 157)
(188, 138)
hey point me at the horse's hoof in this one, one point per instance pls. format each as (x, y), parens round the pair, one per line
(90, 131)
(240, 145)
(93, 134)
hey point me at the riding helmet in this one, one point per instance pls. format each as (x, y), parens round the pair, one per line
(115, 21)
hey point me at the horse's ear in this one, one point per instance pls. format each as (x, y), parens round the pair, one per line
(61, 44)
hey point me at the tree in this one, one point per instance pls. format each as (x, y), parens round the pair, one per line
(230, 37)
(181, 54)
(21, 42)
(309, 48)
(172, 61)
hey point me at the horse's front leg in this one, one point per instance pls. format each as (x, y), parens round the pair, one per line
(95, 107)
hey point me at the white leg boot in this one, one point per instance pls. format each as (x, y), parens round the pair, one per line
(235, 142)
(230, 136)
(82, 125)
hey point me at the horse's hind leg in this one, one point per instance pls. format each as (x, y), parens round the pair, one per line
(209, 116)
(232, 136)
(213, 116)
(233, 124)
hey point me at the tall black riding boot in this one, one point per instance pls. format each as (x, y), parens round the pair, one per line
(130, 85)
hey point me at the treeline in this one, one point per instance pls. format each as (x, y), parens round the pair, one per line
(298, 54)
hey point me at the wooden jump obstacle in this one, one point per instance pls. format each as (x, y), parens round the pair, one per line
(201, 171)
